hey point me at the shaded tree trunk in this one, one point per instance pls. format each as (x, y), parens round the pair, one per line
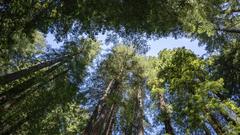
(7, 130)
(231, 12)
(98, 119)
(22, 87)
(227, 116)
(226, 113)
(236, 31)
(167, 119)
(140, 113)
(112, 125)
(168, 126)
(25, 72)
(206, 129)
(214, 124)
(14, 100)
(12, 117)
(110, 121)
(16, 123)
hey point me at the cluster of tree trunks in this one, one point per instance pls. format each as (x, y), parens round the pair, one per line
(14, 93)
(8, 127)
(8, 78)
(102, 118)
(18, 89)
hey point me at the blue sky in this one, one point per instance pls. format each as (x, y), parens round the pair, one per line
(170, 43)
(155, 45)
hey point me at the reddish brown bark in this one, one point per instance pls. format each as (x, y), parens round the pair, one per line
(110, 121)
(99, 118)
(167, 119)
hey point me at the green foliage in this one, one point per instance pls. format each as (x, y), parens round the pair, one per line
(69, 119)
(226, 65)
(48, 99)
(22, 53)
(189, 90)
(185, 77)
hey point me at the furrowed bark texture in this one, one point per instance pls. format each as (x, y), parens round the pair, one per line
(103, 115)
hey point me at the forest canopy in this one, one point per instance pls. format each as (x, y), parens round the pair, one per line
(77, 89)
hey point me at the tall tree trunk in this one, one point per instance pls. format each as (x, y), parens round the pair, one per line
(102, 121)
(231, 11)
(167, 119)
(13, 127)
(12, 117)
(206, 129)
(236, 31)
(214, 124)
(112, 125)
(10, 128)
(14, 100)
(216, 121)
(140, 113)
(97, 119)
(109, 121)
(22, 87)
(25, 72)
(234, 119)
(226, 113)
(168, 126)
